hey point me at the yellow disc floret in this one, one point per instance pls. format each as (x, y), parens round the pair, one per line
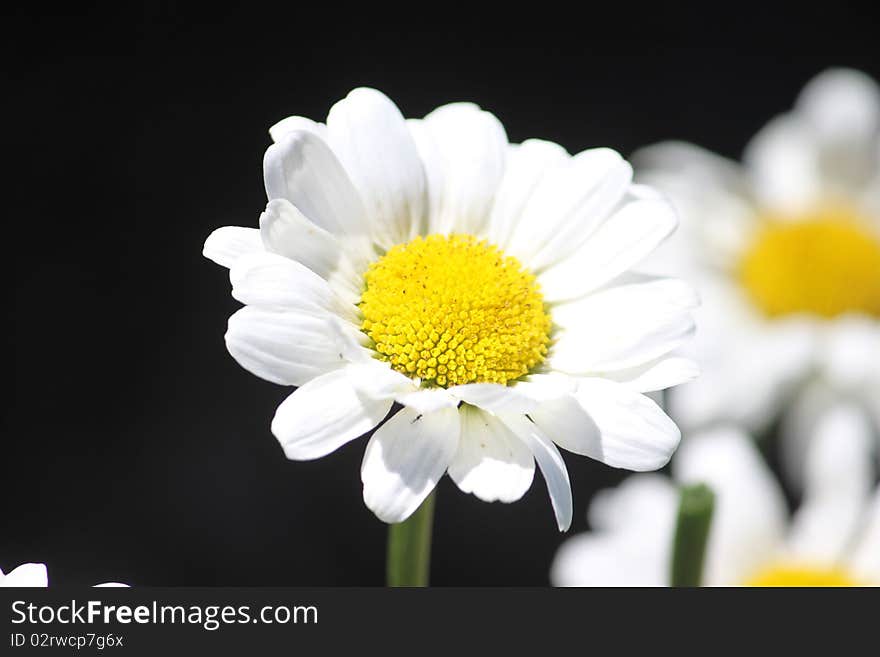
(825, 264)
(451, 309)
(800, 575)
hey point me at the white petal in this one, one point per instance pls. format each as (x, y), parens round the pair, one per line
(635, 432)
(714, 201)
(623, 326)
(272, 281)
(491, 462)
(850, 356)
(370, 137)
(783, 160)
(289, 348)
(287, 232)
(750, 513)
(550, 461)
(748, 367)
(838, 480)
(621, 242)
(324, 414)
(464, 150)
(30, 575)
(428, 400)
(527, 164)
(607, 560)
(567, 206)
(292, 123)
(406, 458)
(644, 503)
(226, 244)
(660, 374)
(843, 107)
(568, 425)
(302, 169)
(631, 543)
(865, 558)
(376, 379)
(493, 397)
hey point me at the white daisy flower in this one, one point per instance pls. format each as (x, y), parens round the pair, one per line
(34, 575)
(481, 285)
(785, 252)
(833, 539)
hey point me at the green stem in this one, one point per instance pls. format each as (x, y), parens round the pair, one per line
(409, 547)
(691, 534)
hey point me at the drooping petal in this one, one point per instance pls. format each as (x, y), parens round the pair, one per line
(568, 425)
(405, 459)
(324, 414)
(550, 461)
(225, 245)
(491, 462)
(371, 139)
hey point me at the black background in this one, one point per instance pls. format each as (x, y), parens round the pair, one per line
(133, 447)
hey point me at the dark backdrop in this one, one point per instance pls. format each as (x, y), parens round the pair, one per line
(133, 447)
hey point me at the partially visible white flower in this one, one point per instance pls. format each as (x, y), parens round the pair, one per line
(27, 575)
(484, 286)
(785, 252)
(34, 575)
(832, 539)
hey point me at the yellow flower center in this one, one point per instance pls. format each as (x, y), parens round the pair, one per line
(799, 575)
(825, 264)
(451, 309)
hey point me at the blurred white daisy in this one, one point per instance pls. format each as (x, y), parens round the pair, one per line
(483, 286)
(34, 575)
(833, 539)
(785, 252)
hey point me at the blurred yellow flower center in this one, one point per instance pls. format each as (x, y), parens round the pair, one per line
(451, 309)
(783, 575)
(825, 264)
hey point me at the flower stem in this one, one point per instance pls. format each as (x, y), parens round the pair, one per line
(409, 547)
(691, 534)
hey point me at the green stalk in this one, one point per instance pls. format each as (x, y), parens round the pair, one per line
(691, 534)
(409, 547)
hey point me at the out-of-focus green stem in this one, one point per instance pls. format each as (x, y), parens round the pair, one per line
(409, 547)
(691, 535)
